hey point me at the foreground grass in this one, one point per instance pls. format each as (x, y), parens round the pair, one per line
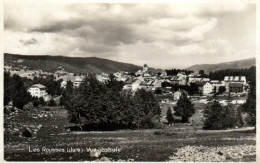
(139, 145)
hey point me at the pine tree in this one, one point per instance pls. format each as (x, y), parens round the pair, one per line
(184, 108)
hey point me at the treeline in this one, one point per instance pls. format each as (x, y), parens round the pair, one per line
(249, 73)
(103, 106)
(70, 64)
(174, 72)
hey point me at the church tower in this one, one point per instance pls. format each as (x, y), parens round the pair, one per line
(145, 68)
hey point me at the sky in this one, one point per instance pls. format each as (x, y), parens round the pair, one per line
(161, 35)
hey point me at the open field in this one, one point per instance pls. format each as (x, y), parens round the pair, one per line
(49, 131)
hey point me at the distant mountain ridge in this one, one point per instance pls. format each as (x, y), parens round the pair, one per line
(245, 63)
(70, 64)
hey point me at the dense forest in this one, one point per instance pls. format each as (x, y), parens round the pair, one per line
(70, 64)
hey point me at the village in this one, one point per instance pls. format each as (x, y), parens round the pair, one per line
(160, 84)
(232, 90)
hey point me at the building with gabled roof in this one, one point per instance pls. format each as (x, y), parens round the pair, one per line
(77, 81)
(37, 90)
(204, 87)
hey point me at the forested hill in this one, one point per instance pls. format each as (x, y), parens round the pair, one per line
(245, 63)
(70, 64)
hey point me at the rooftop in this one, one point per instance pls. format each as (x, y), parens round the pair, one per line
(39, 86)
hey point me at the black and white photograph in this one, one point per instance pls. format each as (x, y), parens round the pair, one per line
(129, 82)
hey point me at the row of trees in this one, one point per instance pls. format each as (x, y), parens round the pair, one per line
(174, 72)
(249, 73)
(215, 116)
(103, 106)
(222, 117)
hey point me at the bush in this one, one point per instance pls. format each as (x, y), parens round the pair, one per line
(41, 101)
(169, 116)
(218, 117)
(158, 91)
(35, 103)
(52, 103)
(26, 133)
(221, 89)
(46, 109)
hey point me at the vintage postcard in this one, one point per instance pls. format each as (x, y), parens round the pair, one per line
(129, 82)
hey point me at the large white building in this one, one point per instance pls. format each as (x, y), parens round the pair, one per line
(37, 90)
(235, 83)
(204, 87)
(77, 81)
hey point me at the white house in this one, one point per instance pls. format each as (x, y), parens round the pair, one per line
(63, 84)
(204, 87)
(136, 84)
(77, 81)
(37, 90)
(164, 73)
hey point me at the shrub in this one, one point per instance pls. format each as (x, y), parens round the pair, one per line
(52, 103)
(46, 109)
(41, 101)
(35, 103)
(221, 89)
(169, 116)
(158, 91)
(26, 132)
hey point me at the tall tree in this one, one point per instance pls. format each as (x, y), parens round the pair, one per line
(184, 108)
(201, 72)
(221, 89)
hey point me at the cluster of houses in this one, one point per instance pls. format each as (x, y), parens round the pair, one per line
(143, 79)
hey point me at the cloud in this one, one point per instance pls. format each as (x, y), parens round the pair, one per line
(124, 32)
(28, 42)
